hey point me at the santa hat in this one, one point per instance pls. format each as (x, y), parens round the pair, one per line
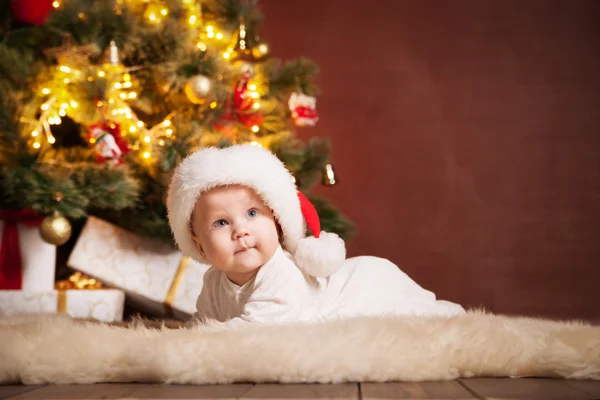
(252, 166)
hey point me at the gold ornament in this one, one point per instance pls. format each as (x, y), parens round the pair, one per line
(242, 50)
(55, 229)
(329, 178)
(248, 47)
(198, 88)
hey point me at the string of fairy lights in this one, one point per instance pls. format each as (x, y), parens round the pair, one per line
(58, 97)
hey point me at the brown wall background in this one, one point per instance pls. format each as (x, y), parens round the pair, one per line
(466, 138)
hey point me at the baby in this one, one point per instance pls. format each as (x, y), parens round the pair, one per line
(238, 210)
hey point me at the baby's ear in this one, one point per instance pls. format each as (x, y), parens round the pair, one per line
(199, 246)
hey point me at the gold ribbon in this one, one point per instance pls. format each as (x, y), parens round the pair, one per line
(77, 281)
(170, 298)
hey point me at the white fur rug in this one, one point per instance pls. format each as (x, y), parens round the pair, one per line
(57, 349)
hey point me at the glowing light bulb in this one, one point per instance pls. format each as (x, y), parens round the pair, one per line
(118, 85)
(132, 129)
(254, 95)
(132, 95)
(210, 28)
(74, 104)
(123, 95)
(169, 132)
(226, 55)
(219, 36)
(193, 19)
(64, 105)
(146, 154)
(201, 46)
(126, 77)
(56, 4)
(213, 105)
(62, 112)
(36, 145)
(252, 86)
(147, 139)
(166, 122)
(35, 133)
(51, 140)
(127, 84)
(256, 106)
(66, 80)
(64, 68)
(140, 124)
(164, 12)
(92, 140)
(161, 142)
(45, 106)
(45, 91)
(210, 34)
(101, 74)
(255, 128)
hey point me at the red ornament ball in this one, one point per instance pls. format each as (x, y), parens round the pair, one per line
(32, 12)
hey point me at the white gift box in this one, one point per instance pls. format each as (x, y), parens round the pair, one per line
(101, 304)
(38, 259)
(152, 273)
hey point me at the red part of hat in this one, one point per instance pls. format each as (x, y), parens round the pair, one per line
(309, 212)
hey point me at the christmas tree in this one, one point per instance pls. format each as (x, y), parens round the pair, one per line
(101, 99)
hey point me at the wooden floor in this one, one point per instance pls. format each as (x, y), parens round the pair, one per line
(534, 389)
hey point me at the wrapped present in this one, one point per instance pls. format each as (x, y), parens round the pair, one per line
(27, 262)
(79, 296)
(153, 274)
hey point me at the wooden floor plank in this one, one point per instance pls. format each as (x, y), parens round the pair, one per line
(415, 390)
(525, 388)
(95, 391)
(303, 391)
(591, 388)
(191, 391)
(7, 391)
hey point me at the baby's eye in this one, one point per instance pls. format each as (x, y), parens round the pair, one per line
(220, 223)
(253, 213)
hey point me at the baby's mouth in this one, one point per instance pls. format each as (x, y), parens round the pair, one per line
(243, 250)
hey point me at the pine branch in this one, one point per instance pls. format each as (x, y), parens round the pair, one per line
(293, 76)
(332, 220)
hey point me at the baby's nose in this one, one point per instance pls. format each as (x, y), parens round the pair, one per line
(241, 232)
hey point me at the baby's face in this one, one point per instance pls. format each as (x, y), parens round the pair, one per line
(235, 231)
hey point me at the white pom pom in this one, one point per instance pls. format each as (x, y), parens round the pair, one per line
(320, 257)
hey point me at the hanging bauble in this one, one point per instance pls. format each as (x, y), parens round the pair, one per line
(303, 109)
(198, 89)
(31, 11)
(329, 176)
(242, 50)
(108, 143)
(55, 229)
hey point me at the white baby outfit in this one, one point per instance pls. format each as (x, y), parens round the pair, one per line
(281, 292)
